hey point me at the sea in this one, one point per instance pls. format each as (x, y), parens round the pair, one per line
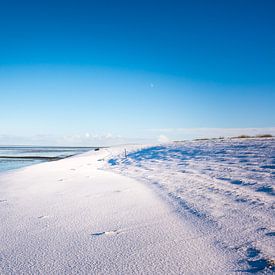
(14, 157)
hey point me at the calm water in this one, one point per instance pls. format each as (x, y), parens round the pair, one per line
(20, 156)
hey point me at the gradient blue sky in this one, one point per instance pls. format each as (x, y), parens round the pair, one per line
(90, 72)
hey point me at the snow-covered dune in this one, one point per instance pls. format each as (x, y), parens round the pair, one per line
(226, 188)
(73, 217)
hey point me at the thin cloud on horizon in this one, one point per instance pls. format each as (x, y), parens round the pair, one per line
(149, 136)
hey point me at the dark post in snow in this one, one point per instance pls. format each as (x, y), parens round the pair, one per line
(125, 153)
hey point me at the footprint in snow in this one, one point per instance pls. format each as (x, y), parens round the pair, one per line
(261, 229)
(266, 189)
(252, 252)
(3, 201)
(42, 217)
(256, 263)
(107, 233)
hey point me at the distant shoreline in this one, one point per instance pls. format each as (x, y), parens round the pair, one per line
(36, 157)
(15, 157)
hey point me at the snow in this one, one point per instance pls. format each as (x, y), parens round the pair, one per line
(225, 188)
(74, 217)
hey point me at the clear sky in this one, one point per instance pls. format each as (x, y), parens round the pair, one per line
(95, 72)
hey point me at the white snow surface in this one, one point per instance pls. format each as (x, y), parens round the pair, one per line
(74, 217)
(224, 188)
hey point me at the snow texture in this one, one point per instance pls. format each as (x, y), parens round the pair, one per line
(225, 188)
(74, 217)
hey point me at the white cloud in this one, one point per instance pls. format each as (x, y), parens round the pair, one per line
(87, 139)
(191, 133)
(148, 136)
(163, 139)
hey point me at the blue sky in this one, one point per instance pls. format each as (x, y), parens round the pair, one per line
(87, 72)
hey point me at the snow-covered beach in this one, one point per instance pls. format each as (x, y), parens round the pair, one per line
(137, 137)
(204, 207)
(225, 187)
